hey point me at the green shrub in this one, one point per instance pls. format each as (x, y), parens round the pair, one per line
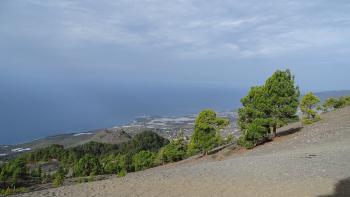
(58, 180)
(86, 166)
(59, 177)
(307, 105)
(114, 163)
(335, 103)
(13, 171)
(122, 173)
(307, 121)
(12, 191)
(174, 151)
(244, 143)
(143, 160)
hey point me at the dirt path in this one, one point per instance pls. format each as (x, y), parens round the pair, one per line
(311, 162)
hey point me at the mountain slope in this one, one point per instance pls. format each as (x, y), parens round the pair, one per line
(310, 161)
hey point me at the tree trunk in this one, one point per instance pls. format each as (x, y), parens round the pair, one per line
(274, 129)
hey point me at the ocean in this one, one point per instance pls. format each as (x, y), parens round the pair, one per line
(28, 114)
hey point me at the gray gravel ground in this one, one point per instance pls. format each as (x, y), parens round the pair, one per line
(315, 161)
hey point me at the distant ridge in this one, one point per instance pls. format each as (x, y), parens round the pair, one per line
(332, 93)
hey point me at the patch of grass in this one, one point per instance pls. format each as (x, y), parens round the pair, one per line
(12, 191)
(307, 121)
(245, 143)
(122, 173)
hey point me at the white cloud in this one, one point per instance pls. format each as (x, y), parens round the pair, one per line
(233, 28)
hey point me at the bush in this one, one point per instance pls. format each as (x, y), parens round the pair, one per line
(174, 151)
(244, 143)
(59, 177)
(307, 121)
(86, 166)
(114, 163)
(58, 180)
(122, 173)
(13, 171)
(12, 191)
(307, 106)
(143, 160)
(334, 103)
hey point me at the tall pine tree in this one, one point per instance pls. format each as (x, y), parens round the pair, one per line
(284, 98)
(268, 107)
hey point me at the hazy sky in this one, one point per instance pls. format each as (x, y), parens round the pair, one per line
(237, 43)
(69, 49)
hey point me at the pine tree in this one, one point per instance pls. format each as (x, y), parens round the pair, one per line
(307, 106)
(206, 131)
(267, 107)
(284, 98)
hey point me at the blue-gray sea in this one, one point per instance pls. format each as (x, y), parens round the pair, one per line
(32, 112)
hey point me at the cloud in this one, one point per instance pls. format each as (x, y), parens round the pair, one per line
(195, 28)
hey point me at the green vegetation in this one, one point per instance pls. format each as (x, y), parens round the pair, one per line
(88, 165)
(206, 132)
(334, 103)
(113, 164)
(58, 180)
(283, 98)
(13, 173)
(122, 173)
(307, 105)
(174, 151)
(11, 191)
(143, 160)
(146, 140)
(89, 159)
(59, 177)
(268, 107)
(254, 117)
(147, 149)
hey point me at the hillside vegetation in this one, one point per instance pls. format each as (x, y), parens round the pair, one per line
(302, 161)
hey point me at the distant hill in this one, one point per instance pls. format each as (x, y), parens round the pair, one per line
(111, 136)
(335, 93)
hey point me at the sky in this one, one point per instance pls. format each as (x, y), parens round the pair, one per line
(65, 62)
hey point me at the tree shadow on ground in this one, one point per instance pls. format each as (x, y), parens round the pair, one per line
(341, 189)
(288, 132)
